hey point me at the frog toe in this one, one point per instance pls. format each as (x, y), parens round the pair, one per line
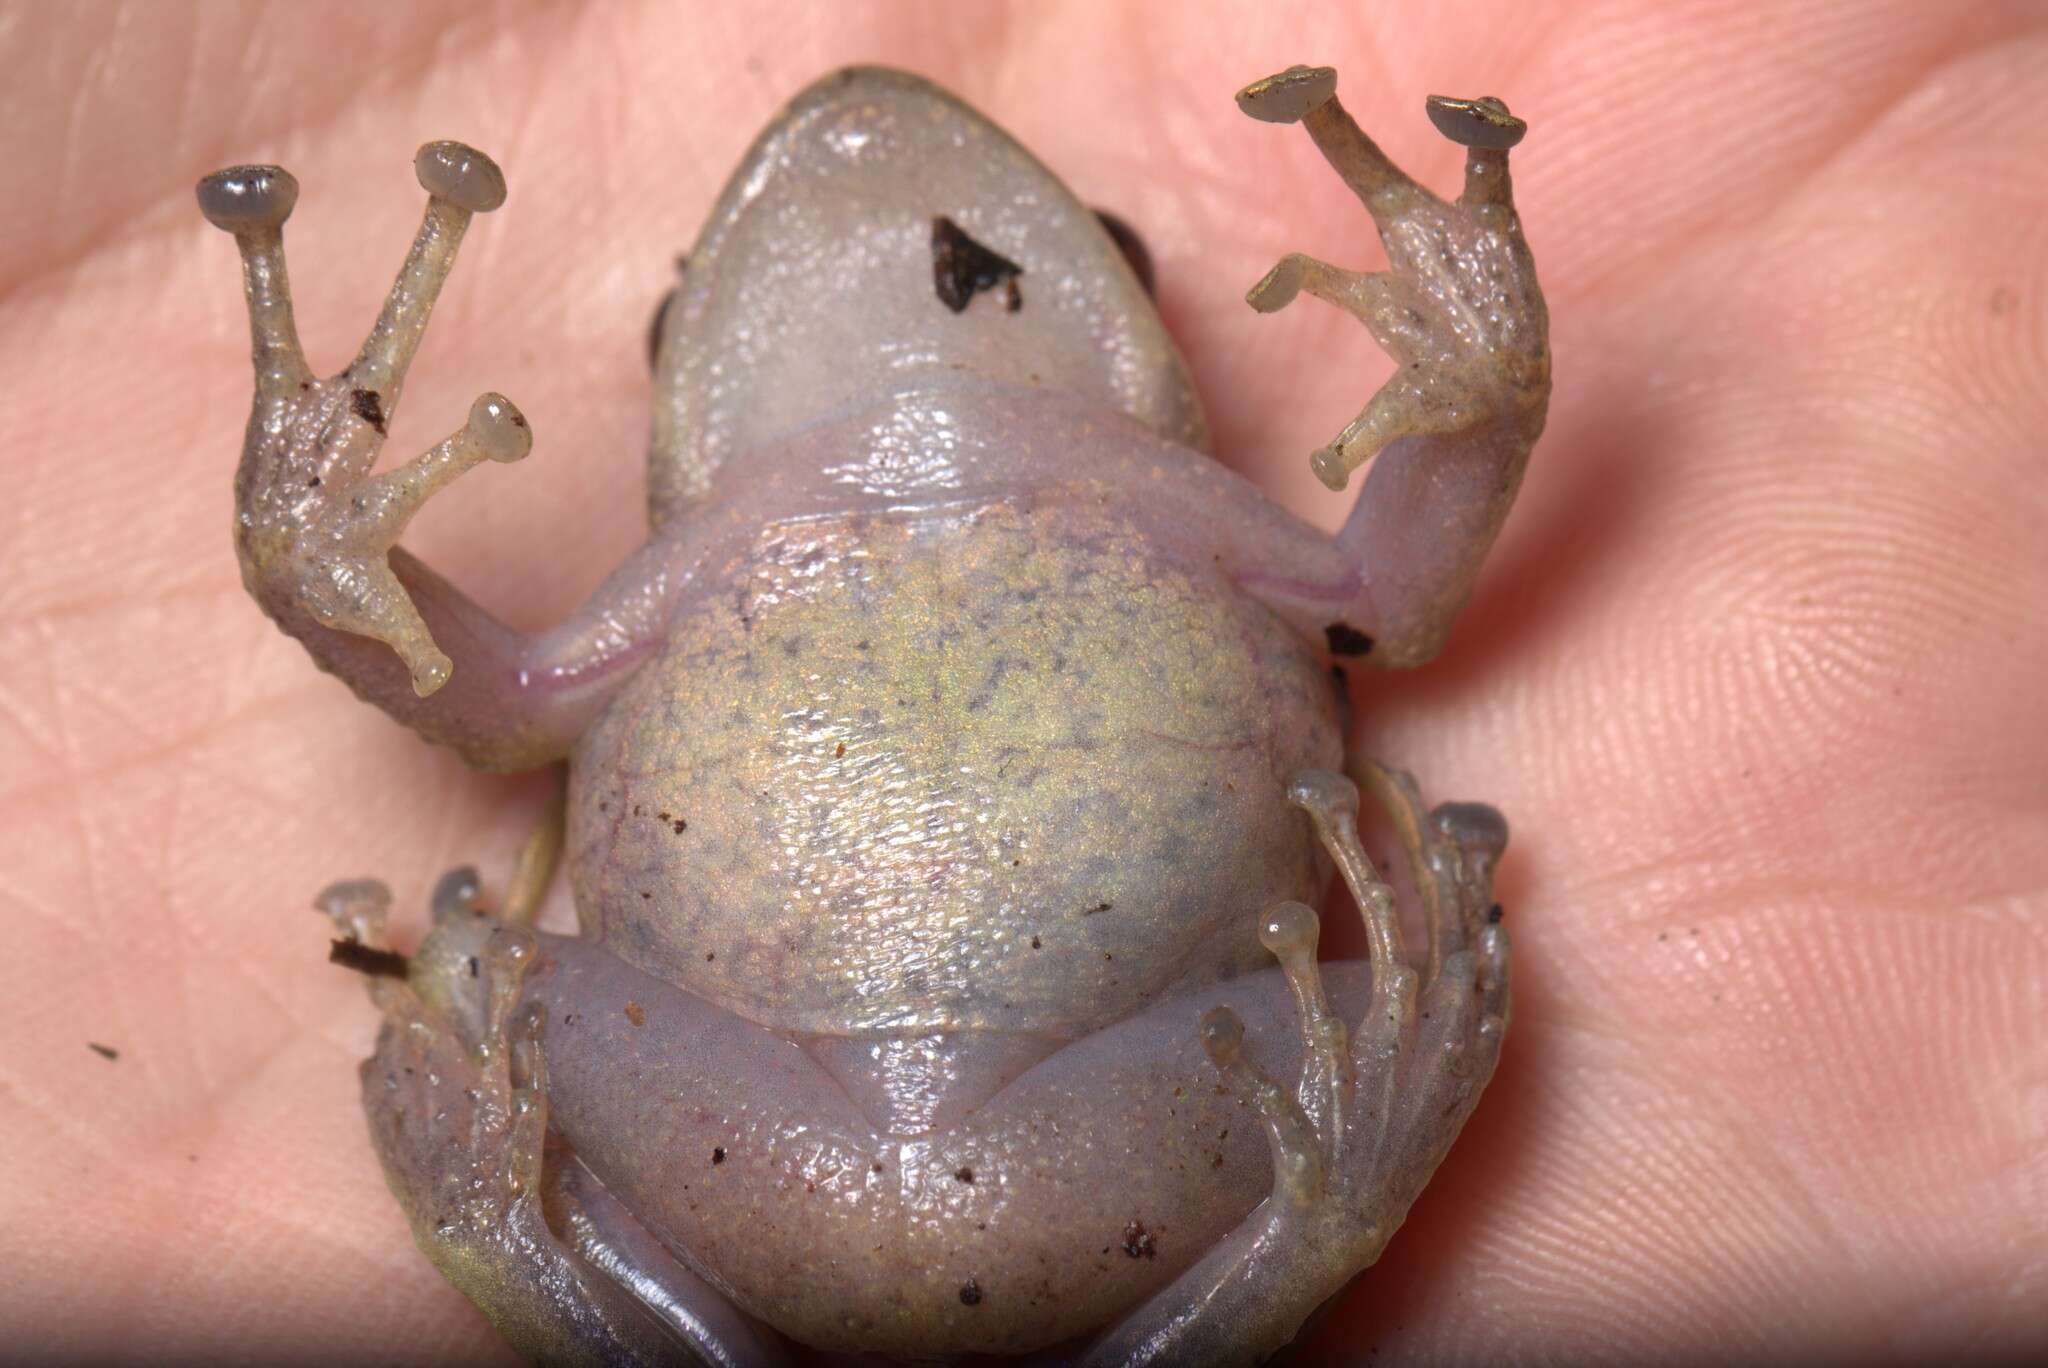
(457, 1099)
(1376, 1102)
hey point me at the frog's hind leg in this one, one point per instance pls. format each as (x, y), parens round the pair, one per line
(457, 1099)
(1375, 1104)
(1460, 312)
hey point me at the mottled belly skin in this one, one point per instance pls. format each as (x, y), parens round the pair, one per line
(1002, 766)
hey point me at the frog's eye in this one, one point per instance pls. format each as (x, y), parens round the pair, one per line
(1133, 247)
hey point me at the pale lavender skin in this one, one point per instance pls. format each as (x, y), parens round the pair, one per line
(931, 767)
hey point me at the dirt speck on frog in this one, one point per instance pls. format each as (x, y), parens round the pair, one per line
(949, 775)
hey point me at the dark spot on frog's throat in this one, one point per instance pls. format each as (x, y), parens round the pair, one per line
(367, 406)
(970, 1293)
(962, 268)
(1494, 914)
(1346, 640)
(718, 1155)
(964, 1174)
(364, 959)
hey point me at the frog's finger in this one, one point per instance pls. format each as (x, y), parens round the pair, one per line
(1308, 96)
(1394, 311)
(460, 182)
(382, 506)
(358, 593)
(253, 202)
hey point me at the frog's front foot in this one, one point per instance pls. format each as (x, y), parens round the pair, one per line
(457, 1098)
(1459, 310)
(313, 527)
(1376, 1104)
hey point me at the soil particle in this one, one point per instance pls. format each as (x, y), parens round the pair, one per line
(364, 959)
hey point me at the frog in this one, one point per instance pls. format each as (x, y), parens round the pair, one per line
(949, 780)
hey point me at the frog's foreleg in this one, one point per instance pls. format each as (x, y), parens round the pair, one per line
(316, 531)
(457, 1099)
(1460, 312)
(1375, 1105)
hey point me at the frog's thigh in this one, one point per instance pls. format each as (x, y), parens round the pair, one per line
(1078, 1191)
(1378, 1098)
(456, 1099)
(1120, 1171)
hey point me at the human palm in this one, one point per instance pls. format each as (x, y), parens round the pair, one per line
(1755, 671)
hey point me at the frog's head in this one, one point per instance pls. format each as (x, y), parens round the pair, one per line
(882, 237)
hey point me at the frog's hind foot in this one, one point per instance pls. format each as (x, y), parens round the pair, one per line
(457, 1098)
(456, 1092)
(1376, 1103)
(1459, 310)
(314, 527)
(1370, 1116)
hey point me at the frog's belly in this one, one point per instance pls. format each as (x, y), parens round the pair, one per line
(1003, 768)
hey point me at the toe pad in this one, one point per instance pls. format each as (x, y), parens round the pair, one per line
(243, 197)
(1484, 122)
(461, 175)
(1287, 97)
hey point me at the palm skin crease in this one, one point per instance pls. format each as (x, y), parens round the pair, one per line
(1755, 671)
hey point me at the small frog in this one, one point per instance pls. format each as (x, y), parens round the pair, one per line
(945, 775)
